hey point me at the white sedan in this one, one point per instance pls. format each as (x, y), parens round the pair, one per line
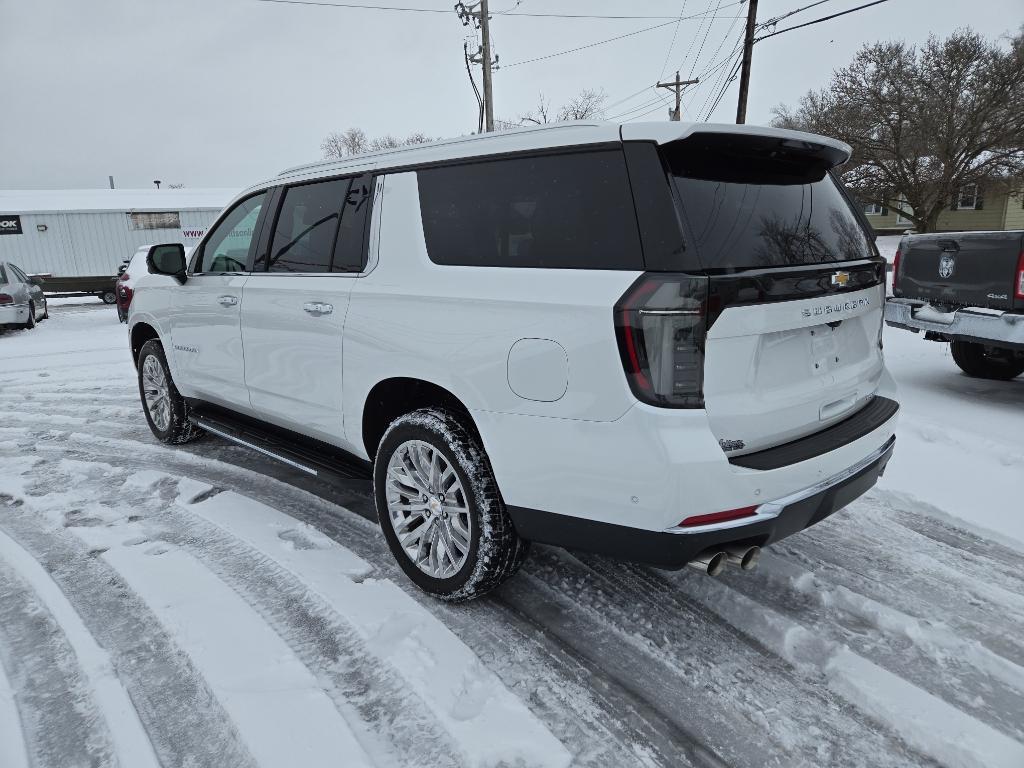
(22, 301)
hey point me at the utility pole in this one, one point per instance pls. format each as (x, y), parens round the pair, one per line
(485, 34)
(678, 86)
(748, 55)
(477, 15)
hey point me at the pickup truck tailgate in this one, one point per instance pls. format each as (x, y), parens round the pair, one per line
(977, 269)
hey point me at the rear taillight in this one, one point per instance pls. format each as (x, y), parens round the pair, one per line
(895, 272)
(124, 295)
(1019, 282)
(6, 299)
(124, 276)
(660, 323)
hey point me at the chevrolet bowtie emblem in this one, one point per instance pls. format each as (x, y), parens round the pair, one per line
(840, 279)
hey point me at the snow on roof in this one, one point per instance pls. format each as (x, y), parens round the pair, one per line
(66, 200)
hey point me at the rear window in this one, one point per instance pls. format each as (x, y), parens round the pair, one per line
(752, 202)
(568, 211)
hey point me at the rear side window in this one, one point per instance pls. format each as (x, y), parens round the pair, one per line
(755, 202)
(307, 227)
(3, 274)
(569, 211)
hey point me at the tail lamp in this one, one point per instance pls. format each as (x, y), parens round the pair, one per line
(895, 272)
(660, 325)
(6, 298)
(1018, 291)
(718, 517)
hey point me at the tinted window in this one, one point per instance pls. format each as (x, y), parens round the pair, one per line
(348, 253)
(3, 274)
(227, 247)
(754, 202)
(307, 227)
(571, 211)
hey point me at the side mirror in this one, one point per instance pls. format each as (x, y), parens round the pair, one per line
(168, 259)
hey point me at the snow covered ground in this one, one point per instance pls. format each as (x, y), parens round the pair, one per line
(202, 607)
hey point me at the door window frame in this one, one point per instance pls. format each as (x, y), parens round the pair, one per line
(261, 265)
(258, 227)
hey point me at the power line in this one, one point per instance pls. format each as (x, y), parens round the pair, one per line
(707, 32)
(405, 9)
(675, 34)
(777, 19)
(818, 21)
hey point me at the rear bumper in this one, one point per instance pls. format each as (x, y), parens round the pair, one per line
(977, 324)
(14, 314)
(676, 546)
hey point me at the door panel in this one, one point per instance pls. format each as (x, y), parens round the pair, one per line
(292, 332)
(206, 339)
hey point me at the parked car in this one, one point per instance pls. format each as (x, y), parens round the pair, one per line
(22, 302)
(128, 275)
(661, 342)
(967, 289)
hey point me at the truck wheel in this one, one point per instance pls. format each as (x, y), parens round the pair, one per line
(986, 362)
(440, 510)
(107, 297)
(166, 410)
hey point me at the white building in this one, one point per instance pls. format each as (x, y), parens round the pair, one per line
(81, 236)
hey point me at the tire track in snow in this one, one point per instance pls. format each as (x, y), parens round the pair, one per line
(730, 691)
(157, 676)
(55, 720)
(129, 738)
(962, 672)
(13, 752)
(523, 658)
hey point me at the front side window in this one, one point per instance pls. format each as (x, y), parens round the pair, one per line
(753, 202)
(568, 211)
(18, 274)
(227, 247)
(307, 227)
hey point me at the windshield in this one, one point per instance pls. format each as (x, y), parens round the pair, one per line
(748, 203)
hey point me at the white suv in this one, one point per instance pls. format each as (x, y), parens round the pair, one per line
(660, 342)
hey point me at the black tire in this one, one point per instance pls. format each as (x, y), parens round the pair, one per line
(31, 322)
(986, 362)
(495, 551)
(46, 310)
(179, 429)
(107, 297)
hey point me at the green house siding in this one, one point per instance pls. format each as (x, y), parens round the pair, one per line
(999, 211)
(1014, 212)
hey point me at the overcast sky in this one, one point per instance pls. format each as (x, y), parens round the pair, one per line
(223, 93)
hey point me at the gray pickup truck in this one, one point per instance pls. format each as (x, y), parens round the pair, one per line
(966, 288)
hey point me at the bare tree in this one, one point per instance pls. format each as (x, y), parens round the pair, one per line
(587, 105)
(354, 142)
(924, 123)
(350, 142)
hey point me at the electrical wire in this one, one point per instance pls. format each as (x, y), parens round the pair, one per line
(711, 23)
(818, 21)
(368, 7)
(675, 34)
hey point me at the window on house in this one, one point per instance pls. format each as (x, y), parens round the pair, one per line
(967, 199)
(151, 220)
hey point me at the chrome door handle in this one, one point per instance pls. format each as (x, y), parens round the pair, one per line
(228, 301)
(318, 308)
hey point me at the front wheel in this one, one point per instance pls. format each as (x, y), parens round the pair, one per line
(166, 410)
(986, 362)
(440, 510)
(31, 322)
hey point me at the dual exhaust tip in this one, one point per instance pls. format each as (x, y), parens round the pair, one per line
(713, 561)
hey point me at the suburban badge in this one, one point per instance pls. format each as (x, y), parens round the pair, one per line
(840, 279)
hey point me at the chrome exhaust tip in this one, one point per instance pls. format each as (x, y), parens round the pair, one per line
(711, 562)
(745, 557)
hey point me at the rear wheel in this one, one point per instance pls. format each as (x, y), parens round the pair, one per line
(986, 362)
(166, 410)
(31, 322)
(440, 510)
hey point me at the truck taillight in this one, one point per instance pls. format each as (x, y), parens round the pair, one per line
(6, 298)
(895, 272)
(660, 324)
(1019, 283)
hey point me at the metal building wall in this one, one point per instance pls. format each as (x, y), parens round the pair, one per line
(91, 243)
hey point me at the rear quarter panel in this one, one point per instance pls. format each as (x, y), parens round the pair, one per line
(455, 326)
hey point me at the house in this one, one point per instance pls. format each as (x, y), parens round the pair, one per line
(972, 209)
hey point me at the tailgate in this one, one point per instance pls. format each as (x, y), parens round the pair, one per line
(975, 269)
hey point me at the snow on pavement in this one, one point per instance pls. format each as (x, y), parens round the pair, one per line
(248, 616)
